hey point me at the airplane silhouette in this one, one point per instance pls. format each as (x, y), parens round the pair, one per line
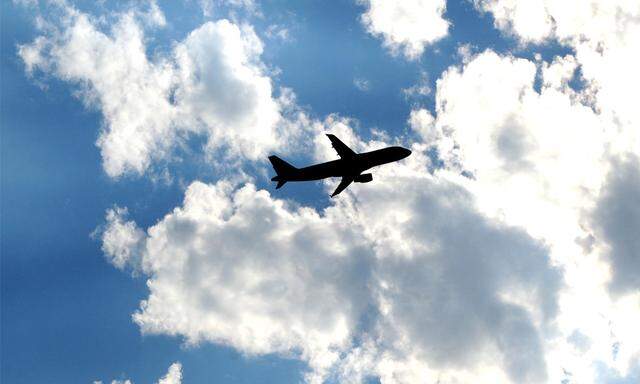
(349, 166)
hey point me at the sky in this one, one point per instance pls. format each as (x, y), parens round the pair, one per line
(142, 240)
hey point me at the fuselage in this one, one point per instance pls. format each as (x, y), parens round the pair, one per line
(354, 166)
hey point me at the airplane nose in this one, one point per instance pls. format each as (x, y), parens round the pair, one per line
(405, 152)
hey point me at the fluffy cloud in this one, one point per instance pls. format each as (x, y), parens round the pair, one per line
(212, 84)
(616, 220)
(453, 287)
(605, 38)
(406, 26)
(173, 376)
(422, 122)
(296, 284)
(398, 274)
(121, 238)
(539, 159)
(604, 35)
(540, 146)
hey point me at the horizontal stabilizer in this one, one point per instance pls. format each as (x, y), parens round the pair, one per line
(280, 183)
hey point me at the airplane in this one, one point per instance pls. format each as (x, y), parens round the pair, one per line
(349, 166)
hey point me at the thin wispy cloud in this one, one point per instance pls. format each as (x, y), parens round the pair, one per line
(362, 84)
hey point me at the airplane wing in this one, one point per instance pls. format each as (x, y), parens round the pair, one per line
(340, 147)
(344, 183)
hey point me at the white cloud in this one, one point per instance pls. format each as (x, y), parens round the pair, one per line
(604, 35)
(211, 84)
(400, 274)
(525, 135)
(598, 212)
(442, 266)
(173, 376)
(616, 222)
(294, 285)
(406, 26)
(539, 161)
(529, 19)
(423, 123)
(223, 88)
(121, 239)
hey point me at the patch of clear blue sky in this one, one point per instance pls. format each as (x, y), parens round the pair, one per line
(65, 310)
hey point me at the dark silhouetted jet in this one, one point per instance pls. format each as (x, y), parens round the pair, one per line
(349, 166)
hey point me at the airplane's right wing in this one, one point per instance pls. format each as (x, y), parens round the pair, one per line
(344, 183)
(340, 147)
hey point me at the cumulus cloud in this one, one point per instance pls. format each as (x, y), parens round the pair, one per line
(422, 122)
(616, 220)
(295, 285)
(173, 376)
(404, 272)
(121, 239)
(538, 158)
(519, 143)
(453, 287)
(528, 19)
(604, 35)
(213, 84)
(406, 26)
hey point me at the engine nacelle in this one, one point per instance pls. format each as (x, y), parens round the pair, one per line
(364, 178)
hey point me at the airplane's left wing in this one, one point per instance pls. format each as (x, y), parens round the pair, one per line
(340, 147)
(344, 183)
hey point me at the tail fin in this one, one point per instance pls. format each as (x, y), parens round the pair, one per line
(282, 168)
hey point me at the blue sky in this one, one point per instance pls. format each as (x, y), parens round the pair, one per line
(501, 89)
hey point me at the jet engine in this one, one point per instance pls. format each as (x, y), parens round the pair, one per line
(364, 178)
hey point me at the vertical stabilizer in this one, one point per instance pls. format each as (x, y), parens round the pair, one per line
(283, 170)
